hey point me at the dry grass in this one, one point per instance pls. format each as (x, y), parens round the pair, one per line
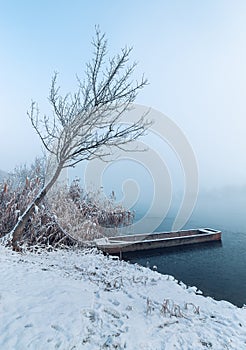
(67, 217)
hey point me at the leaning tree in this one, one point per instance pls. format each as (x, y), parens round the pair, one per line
(86, 125)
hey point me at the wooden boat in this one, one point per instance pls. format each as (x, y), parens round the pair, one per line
(156, 240)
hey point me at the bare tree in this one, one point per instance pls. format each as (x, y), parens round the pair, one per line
(85, 125)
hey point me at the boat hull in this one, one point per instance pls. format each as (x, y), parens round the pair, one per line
(134, 243)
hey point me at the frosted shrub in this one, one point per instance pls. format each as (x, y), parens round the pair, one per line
(95, 205)
(68, 216)
(15, 195)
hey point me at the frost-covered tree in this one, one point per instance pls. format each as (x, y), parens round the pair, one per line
(85, 125)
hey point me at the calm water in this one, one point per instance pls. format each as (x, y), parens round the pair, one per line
(218, 269)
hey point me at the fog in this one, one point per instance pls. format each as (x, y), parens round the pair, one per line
(136, 187)
(194, 56)
(223, 208)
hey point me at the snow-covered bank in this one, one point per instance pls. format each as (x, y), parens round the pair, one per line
(73, 300)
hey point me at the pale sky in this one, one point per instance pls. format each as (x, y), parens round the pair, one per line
(193, 53)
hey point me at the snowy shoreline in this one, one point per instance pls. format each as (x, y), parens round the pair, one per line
(84, 300)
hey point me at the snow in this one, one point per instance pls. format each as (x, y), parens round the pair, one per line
(84, 300)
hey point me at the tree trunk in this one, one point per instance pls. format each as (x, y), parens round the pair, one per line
(16, 233)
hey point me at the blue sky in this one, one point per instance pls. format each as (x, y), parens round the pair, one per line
(192, 52)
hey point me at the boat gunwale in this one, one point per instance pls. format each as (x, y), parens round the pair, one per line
(113, 242)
